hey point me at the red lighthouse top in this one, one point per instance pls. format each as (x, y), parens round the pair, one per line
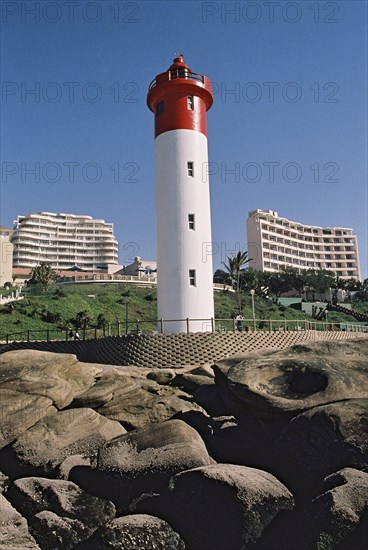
(180, 98)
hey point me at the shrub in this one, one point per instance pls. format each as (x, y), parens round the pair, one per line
(51, 317)
(59, 293)
(101, 320)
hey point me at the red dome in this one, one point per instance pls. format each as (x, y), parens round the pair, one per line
(179, 76)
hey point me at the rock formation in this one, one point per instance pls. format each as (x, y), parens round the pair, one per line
(264, 451)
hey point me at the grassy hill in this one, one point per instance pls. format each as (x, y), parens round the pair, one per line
(59, 307)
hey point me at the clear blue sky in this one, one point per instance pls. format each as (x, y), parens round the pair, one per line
(299, 81)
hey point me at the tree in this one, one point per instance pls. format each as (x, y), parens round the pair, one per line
(277, 284)
(338, 284)
(362, 291)
(251, 279)
(234, 267)
(101, 320)
(222, 277)
(293, 279)
(42, 275)
(82, 319)
(319, 281)
(352, 285)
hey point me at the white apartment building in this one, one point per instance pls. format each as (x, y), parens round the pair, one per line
(63, 241)
(6, 256)
(275, 242)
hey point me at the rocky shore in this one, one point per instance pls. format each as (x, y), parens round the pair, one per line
(263, 451)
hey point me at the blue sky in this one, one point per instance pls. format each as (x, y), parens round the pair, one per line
(287, 131)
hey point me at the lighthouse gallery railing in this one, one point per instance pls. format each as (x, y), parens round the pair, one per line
(174, 74)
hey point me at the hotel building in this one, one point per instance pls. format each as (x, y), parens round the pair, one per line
(63, 241)
(6, 256)
(275, 242)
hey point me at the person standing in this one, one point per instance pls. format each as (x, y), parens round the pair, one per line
(239, 322)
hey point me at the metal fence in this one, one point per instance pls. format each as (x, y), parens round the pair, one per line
(162, 326)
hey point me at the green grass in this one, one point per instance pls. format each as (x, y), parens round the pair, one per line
(100, 299)
(66, 301)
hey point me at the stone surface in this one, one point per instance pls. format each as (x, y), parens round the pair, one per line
(63, 469)
(102, 391)
(136, 403)
(161, 376)
(323, 440)
(273, 415)
(278, 385)
(135, 532)
(32, 495)
(60, 377)
(211, 400)
(142, 461)
(14, 533)
(203, 370)
(339, 514)
(20, 411)
(53, 532)
(190, 382)
(4, 482)
(220, 506)
(40, 449)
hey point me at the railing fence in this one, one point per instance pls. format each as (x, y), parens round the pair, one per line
(186, 325)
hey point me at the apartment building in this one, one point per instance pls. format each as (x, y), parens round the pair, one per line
(63, 241)
(275, 242)
(6, 256)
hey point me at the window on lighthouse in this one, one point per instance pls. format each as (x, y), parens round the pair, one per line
(190, 167)
(190, 102)
(191, 222)
(192, 277)
(159, 108)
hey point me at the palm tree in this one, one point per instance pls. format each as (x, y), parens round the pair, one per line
(234, 267)
(42, 274)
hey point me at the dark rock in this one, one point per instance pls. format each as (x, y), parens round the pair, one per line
(135, 532)
(14, 531)
(53, 532)
(59, 377)
(220, 506)
(233, 445)
(40, 449)
(275, 386)
(339, 515)
(323, 440)
(209, 398)
(32, 495)
(202, 423)
(142, 461)
(4, 482)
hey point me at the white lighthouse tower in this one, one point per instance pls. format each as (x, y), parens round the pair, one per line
(179, 100)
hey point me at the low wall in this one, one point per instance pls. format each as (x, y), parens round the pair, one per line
(177, 350)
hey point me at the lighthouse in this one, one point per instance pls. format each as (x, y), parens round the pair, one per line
(179, 99)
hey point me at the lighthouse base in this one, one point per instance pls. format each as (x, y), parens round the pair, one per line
(185, 326)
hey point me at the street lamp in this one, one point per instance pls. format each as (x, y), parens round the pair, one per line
(126, 302)
(252, 293)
